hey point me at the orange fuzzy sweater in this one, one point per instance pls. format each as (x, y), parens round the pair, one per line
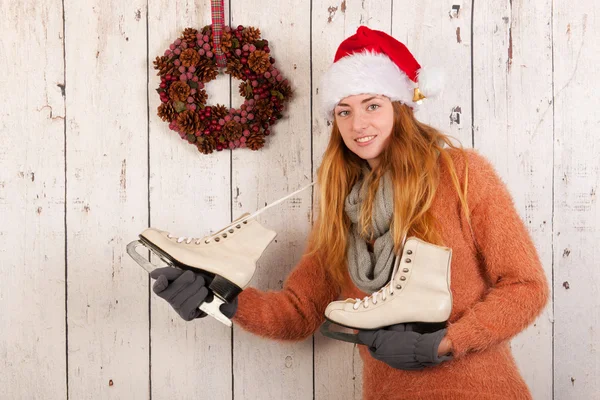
(498, 288)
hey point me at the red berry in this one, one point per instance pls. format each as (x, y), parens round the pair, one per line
(240, 28)
(244, 60)
(168, 77)
(207, 131)
(267, 132)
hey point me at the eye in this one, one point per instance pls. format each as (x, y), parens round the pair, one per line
(373, 107)
(343, 113)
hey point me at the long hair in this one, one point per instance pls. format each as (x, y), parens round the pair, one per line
(411, 157)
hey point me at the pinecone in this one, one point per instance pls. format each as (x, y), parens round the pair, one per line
(166, 112)
(235, 68)
(250, 34)
(207, 71)
(255, 141)
(219, 111)
(284, 89)
(162, 65)
(259, 61)
(189, 57)
(232, 131)
(179, 91)
(264, 108)
(245, 90)
(200, 97)
(206, 144)
(189, 35)
(189, 122)
(226, 42)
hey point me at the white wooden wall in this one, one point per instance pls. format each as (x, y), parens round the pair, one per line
(85, 165)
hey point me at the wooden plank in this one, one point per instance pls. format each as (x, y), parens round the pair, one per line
(577, 213)
(107, 177)
(513, 128)
(32, 190)
(338, 366)
(268, 369)
(438, 35)
(189, 196)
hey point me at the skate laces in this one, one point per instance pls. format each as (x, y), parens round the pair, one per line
(237, 224)
(389, 287)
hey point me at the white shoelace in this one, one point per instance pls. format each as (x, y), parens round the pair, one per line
(389, 287)
(237, 224)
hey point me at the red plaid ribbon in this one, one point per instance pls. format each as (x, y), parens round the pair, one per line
(217, 9)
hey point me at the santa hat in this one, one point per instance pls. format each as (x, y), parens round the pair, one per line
(372, 61)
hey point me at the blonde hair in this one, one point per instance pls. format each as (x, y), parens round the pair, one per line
(411, 156)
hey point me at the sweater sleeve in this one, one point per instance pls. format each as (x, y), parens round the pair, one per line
(518, 287)
(294, 312)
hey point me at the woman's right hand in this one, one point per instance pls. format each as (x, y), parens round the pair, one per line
(185, 291)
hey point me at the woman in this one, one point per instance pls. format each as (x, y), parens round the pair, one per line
(413, 185)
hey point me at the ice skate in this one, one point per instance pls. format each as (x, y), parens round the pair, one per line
(230, 255)
(419, 291)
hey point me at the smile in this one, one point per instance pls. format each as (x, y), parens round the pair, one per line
(365, 140)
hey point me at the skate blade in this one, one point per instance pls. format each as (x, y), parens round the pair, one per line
(342, 336)
(213, 310)
(143, 262)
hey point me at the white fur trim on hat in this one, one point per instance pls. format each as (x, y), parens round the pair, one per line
(363, 73)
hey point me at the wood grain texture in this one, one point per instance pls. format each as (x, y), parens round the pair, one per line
(107, 195)
(267, 369)
(513, 127)
(438, 35)
(576, 42)
(32, 195)
(189, 196)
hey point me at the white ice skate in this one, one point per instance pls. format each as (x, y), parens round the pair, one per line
(419, 291)
(230, 255)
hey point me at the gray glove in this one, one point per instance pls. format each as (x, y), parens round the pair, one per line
(402, 347)
(185, 291)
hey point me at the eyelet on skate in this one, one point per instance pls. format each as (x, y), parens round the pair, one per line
(398, 287)
(231, 231)
(402, 278)
(405, 270)
(245, 222)
(408, 260)
(207, 241)
(408, 251)
(224, 235)
(217, 239)
(238, 226)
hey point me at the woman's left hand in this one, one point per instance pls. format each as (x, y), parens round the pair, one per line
(401, 347)
(445, 347)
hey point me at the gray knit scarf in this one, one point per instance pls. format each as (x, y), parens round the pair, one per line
(370, 271)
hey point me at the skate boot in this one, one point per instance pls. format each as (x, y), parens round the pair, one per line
(229, 255)
(419, 291)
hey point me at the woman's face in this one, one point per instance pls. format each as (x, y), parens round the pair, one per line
(365, 122)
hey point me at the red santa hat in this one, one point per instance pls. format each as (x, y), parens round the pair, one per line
(374, 62)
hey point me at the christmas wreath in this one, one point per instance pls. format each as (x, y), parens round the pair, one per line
(190, 62)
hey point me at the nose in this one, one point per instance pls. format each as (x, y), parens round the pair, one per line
(359, 122)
